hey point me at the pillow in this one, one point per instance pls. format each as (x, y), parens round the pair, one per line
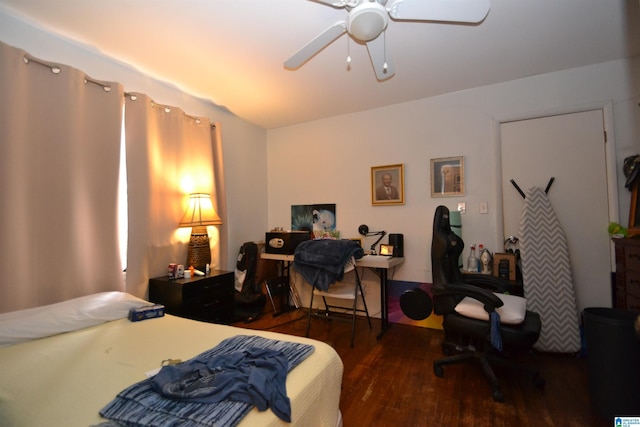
(65, 316)
(511, 313)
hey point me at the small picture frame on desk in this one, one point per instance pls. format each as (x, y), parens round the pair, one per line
(504, 265)
(358, 240)
(386, 250)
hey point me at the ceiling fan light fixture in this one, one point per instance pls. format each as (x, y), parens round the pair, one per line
(367, 21)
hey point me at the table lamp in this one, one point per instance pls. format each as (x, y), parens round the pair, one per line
(198, 216)
(364, 230)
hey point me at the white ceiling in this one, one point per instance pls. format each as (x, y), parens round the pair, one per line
(232, 51)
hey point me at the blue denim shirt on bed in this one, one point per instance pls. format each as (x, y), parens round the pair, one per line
(253, 375)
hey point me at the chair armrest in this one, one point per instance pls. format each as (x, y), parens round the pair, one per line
(486, 297)
(494, 284)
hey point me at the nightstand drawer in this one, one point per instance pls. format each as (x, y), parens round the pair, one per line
(208, 290)
(218, 311)
(633, 283)
(211, 299)
(633, 303)
(627, 281)
(632, 258)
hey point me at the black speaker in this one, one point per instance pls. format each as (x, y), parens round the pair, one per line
(397, 240)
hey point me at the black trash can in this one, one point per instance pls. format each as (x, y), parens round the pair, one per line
(613, 357)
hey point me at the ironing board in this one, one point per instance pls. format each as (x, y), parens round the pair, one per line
(546, 274)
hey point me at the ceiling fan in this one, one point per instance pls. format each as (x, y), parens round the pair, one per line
(368, 19)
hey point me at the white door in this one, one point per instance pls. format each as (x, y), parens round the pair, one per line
(570, 148)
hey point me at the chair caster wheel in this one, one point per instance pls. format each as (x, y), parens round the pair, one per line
(438, 371)
(498, 396)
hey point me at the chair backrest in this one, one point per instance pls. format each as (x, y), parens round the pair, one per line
(446, 248)
(350, 265)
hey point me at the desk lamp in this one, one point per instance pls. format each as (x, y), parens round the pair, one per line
(364, 230)
(198, 216)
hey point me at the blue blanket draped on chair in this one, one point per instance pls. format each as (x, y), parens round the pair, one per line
(321, 262)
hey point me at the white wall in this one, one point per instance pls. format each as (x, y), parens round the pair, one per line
(329, 160)
(244, 144)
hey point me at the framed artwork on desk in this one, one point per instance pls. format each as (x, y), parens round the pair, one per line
(387, 185)
(447, 177)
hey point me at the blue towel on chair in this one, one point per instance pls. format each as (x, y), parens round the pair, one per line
(496, 338)
(321, 262)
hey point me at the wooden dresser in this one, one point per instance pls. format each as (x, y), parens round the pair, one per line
(627, 285)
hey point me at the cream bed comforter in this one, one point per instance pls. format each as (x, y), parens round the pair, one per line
(65, 379)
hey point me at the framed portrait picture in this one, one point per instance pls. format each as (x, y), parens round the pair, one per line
(447, 177)
(387, 185)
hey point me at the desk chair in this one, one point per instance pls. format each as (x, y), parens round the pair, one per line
(480, 322)
(342, 290)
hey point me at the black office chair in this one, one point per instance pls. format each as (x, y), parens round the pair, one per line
(483, 297)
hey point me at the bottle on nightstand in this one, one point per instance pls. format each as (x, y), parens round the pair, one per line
(472, 261)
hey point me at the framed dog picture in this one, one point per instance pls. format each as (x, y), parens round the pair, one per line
(447, 177)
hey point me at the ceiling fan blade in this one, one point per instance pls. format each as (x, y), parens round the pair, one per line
(472, 11)
(334, 3)
(316, 45)
(380, 60)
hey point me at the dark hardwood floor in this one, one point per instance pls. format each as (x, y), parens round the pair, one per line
(390, 382)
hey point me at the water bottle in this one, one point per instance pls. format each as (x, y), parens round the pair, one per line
(472, 261)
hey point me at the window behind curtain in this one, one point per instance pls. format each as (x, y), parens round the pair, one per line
(123, 221)
(169, 155)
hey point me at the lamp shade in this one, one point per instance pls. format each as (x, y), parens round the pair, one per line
(200, 212)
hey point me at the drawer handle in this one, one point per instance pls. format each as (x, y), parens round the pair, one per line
(211, 304)
(213, 286)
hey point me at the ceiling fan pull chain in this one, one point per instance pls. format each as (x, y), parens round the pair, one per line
(385, 66)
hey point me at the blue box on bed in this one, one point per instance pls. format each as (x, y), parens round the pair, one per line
(146, 312)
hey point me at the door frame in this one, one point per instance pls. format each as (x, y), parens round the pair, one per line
(610, 162)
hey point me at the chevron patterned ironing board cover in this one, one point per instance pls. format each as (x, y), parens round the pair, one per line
(546, 274)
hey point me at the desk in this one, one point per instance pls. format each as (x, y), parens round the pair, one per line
(381, 264)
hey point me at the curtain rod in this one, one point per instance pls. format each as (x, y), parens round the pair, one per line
(167, 108)
(56, 69)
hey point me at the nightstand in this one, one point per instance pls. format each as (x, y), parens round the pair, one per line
(208, 298)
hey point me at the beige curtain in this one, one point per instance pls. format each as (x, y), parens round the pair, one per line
(220, 199)
(59, 156)
(169, 156)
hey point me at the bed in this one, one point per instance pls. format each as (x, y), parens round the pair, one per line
(60, 365)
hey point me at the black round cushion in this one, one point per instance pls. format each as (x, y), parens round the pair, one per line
(416, 304)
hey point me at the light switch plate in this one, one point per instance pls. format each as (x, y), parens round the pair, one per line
(462, 207)
(484, 207)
